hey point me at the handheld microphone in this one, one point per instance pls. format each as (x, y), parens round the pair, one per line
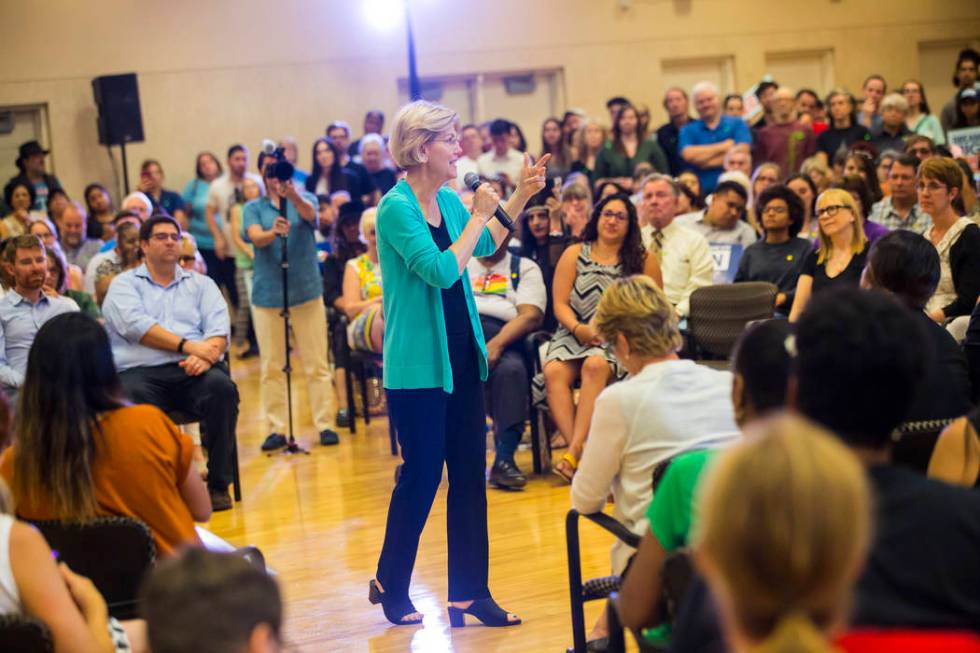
(473, 181)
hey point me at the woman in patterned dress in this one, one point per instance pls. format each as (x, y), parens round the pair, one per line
(611, 248)
(362, 292)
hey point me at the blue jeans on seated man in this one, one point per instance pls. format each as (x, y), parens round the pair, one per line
(211, 398)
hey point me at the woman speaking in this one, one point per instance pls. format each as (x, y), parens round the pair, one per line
(435, 361)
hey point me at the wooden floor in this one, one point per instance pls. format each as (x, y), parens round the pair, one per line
(320, 519)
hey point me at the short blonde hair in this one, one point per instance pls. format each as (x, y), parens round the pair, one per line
(417, 124)
(858, 239)
(369, 218)
(785, 523)
(639, 310)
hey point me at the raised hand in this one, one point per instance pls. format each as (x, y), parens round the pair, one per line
(533, 175)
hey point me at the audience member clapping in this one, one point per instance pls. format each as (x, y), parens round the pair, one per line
(82, 451)
(612, 247)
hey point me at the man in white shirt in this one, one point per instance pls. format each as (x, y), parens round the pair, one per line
(721, 224)
(502, 160)
(472, 144)
(685, 258)
(511, 298)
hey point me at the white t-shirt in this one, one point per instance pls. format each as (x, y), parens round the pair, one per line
(491, 165)
(464, 166)
(222, 195)
(493, 288)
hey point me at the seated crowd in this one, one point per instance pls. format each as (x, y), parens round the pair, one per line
(860, 216)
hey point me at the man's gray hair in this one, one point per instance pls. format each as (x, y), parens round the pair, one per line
(656, 176)
(703, 86)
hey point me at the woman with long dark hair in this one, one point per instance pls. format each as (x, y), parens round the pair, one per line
(81, 451)
(327, 175)
(553, 144)
(629, 146)
(98, 203)
(611, 248)
(919, 120)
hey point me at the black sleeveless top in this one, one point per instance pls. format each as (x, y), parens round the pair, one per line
(453, 300)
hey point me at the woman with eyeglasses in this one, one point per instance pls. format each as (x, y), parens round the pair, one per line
(435, 360)
(611, 248)
(778, 258)
(956, 238)
(843, 248)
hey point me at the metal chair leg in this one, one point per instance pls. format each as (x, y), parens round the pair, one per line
(351, 411)
(235, 475)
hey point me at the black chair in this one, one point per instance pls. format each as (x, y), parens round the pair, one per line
(540, 440)
(916, 441)
(720, 313)
(113, 552)
(181, 418)
(359, 363)
(22, 634)
(676, 572)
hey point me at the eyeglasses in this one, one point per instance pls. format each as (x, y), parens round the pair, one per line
(451, 141)
(619, 216)
(775, 210)
(931, 187)
(160, 238)
(831, 211)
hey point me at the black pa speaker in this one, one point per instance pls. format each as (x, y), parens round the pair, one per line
(118, 99)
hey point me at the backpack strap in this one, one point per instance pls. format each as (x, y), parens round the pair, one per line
(515, 270)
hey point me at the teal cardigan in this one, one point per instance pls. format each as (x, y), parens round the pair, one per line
(416, 353)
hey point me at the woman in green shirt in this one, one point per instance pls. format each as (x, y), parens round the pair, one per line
(629, 146)
(761, 366)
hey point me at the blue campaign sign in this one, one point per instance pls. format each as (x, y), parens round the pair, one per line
(726, 257)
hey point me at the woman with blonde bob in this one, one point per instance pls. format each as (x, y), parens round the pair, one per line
(842, 251)
(783, 530)
(666, 406)
(435, 361)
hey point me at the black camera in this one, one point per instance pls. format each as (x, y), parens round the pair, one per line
(277, 165)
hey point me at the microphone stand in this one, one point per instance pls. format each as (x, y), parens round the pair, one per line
(291, 446)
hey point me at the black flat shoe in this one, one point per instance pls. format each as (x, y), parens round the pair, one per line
(395, 610)
(486, 610)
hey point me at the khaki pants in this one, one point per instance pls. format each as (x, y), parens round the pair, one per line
(309, 323)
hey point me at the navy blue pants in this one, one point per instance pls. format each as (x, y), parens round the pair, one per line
(436, 429)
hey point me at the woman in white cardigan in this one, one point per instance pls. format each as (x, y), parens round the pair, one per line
(666, 406)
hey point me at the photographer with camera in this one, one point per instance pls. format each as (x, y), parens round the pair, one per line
(287, 217)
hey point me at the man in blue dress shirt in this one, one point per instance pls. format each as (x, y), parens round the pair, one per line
(703, 143)
(169, 332)
(25, 309)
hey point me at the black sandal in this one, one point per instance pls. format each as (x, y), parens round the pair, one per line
(395, 611)
(486, 610)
